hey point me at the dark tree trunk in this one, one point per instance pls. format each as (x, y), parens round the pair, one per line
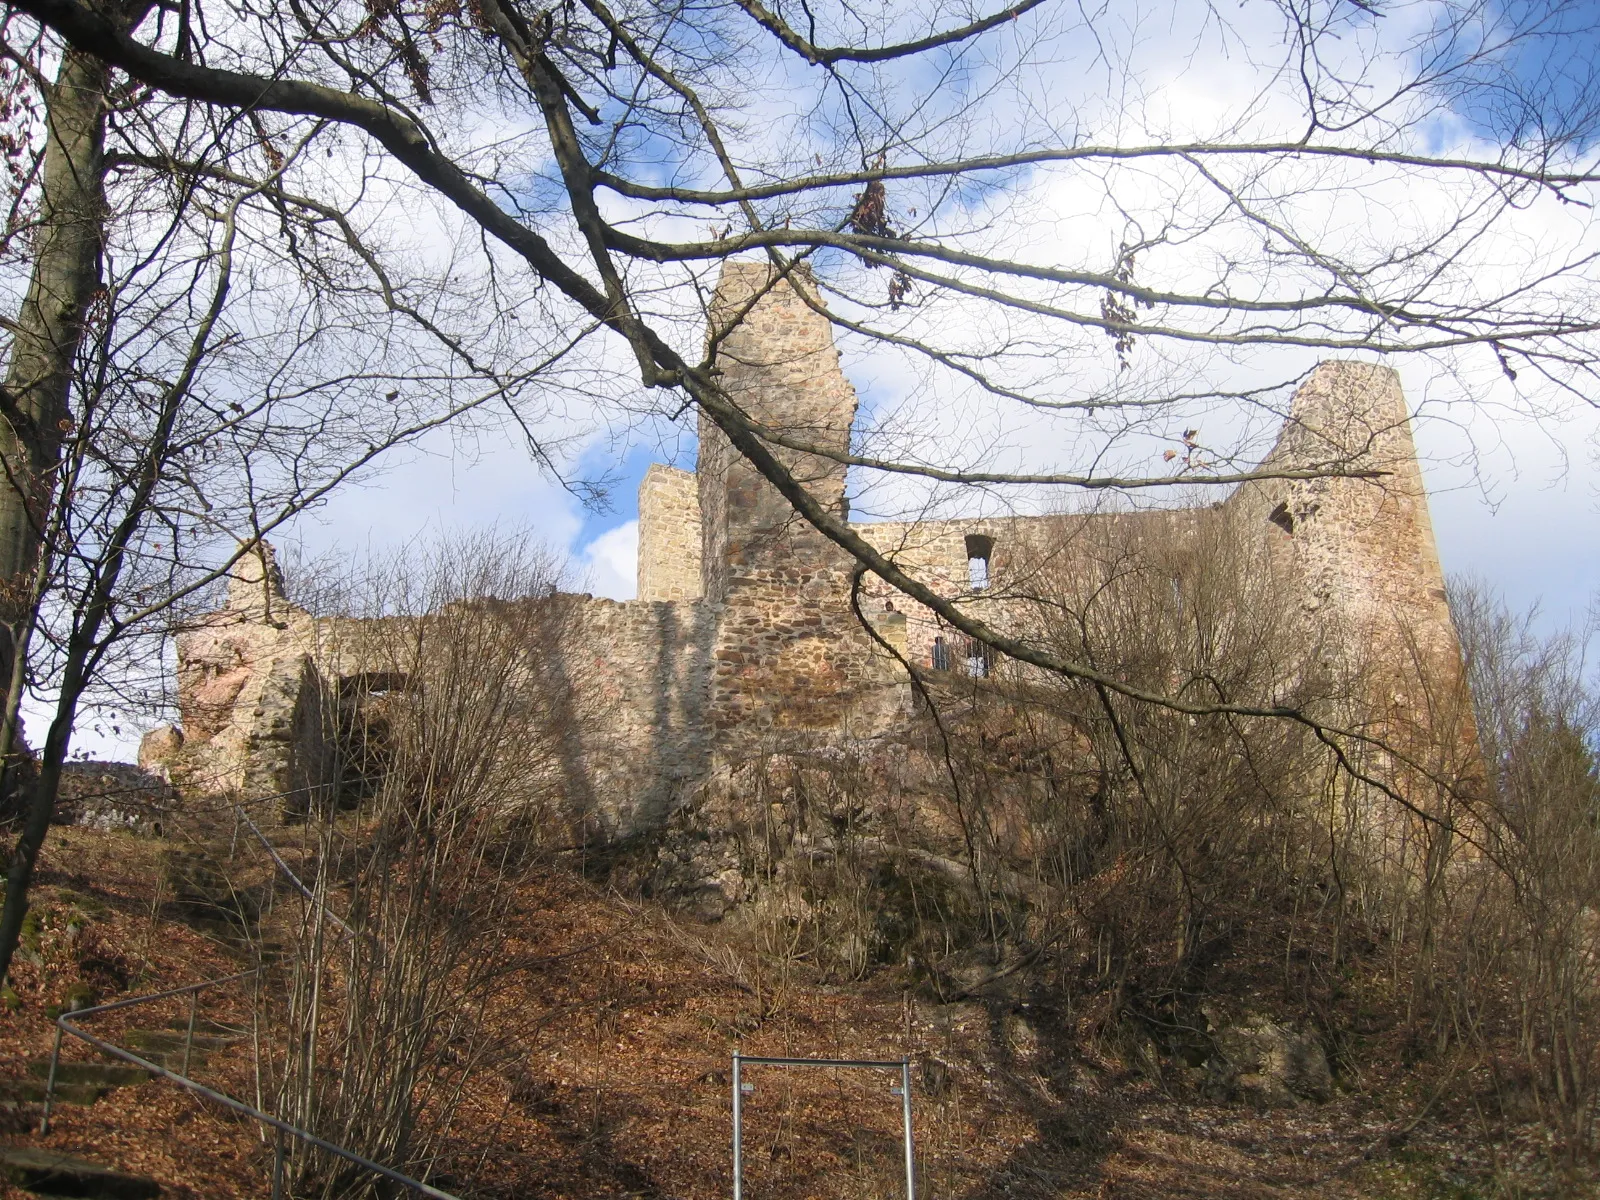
(34, 411)
(35, 414)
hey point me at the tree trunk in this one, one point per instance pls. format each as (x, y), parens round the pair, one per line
(35, 418)
(34, 410)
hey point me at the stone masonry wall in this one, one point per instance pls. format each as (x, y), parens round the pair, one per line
(255, 698)
(638, 670)
(1363, 547)
(1364, 552)
(935, 553)
(245, 688)
(669, 535)
(790, 659)
(743, 640)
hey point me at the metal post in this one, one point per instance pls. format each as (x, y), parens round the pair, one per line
(277, 1164)
(738, 1121)
(188, 1038)
(905, 1107)
(50, 1083)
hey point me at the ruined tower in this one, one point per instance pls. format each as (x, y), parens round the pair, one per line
(1359, 541)
(789, 655)
(1360, 538)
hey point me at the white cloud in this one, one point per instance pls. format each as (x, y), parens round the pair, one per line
(1503, 506)
(449, 484)
(610, 560)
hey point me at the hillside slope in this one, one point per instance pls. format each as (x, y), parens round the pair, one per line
(608, 1074)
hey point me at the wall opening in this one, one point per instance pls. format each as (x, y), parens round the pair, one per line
(979, 659)
(980, 548)
(1282, 517)
(362, 734)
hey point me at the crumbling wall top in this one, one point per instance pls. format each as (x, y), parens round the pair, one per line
(255, 582)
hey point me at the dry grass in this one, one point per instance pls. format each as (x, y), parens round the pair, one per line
(613, 1039)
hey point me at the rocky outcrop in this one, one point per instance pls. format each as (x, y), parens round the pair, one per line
(1268, 1061)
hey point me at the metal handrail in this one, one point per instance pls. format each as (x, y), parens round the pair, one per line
(903, 1065)
(65, 1024)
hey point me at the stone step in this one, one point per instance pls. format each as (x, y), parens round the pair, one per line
(170, 1041)
(249, 951)
(216, 1029)
(96, 1074)
(17, 1094)
(172, 1060)
(47, 1173)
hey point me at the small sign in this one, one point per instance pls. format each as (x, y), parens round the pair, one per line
(897, 1090)
(747, 1088)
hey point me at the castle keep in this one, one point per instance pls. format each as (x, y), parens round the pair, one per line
(743, 638)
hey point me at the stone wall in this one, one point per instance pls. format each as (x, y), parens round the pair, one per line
(790, 659)
(743, 641)
(669, 535)
(1362, 545)
(245, 688)
(1363, 551)
(935, 553)
(1359, 545)
(638, 673)
(257, 698)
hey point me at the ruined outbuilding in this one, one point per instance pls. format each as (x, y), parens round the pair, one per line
(743, 636)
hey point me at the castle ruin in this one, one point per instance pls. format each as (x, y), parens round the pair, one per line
(743, 634)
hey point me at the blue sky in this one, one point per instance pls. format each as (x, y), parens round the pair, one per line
(1545, 81)
(1515, 503)
(1523, 514)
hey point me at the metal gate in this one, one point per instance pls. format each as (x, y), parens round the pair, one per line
(740, 1087)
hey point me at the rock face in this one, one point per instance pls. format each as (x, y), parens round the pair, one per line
(743, 641)
(1266, 1061)
(159, 747)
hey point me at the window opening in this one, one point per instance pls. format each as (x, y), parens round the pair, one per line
(979, 659)
(980, 548)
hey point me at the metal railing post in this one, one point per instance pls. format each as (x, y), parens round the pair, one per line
(277, 1165)
(50, 1083)
(188, 1038)
(905, 1106)
(738, 1121)
(65, 1023)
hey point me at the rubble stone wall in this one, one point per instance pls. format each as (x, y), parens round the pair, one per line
(743, 640)
(669, 535)
(791, 659)
(257, 697)
(638, 672)
(1361, 541)
(936, 553)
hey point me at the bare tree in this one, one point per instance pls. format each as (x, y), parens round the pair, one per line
(48, 330)
(908, 169)
(921, 163)
(453, 720)
(1526, 943)
(247, 350)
